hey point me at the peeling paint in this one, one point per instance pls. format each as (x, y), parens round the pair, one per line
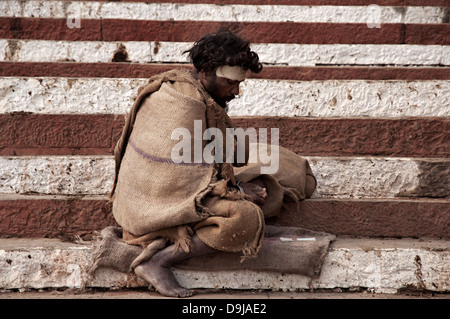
(121, 54)
(12, 50)
(434, 180)
(418, 272)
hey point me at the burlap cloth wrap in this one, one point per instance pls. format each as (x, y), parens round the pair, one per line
(157, 201)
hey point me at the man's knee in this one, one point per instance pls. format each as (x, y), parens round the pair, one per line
(232, 225)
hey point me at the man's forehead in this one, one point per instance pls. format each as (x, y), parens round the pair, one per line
(235, 73)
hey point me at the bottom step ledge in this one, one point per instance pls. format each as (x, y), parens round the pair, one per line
(380, 265)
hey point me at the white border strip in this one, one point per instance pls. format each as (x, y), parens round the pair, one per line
(346, 177)
(332, 98)
(270, 53)
(230, 13)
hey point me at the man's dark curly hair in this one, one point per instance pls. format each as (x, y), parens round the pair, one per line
(223, 48)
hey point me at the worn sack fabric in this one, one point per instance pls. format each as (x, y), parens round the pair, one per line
(282, 252)
(154, 196)
(156, 200)
(292, 181)
(153, 192)
(293, 257)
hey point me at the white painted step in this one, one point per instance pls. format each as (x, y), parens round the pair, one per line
(213, 12)
(337, 177)
(380, 265)
(328, 98)
(287, 54)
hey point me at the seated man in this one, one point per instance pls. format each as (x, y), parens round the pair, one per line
(188, 208)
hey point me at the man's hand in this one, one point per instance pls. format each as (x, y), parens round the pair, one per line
(257, 192)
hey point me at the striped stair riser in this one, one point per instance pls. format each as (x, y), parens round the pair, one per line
(256, 32)
(337, 177)
(367, 106)
(66, 217)
(146, 70)
(97, 134)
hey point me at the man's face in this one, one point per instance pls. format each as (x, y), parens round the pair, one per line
(221, 89)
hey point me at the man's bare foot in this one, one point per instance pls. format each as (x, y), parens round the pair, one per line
(156, 271)
(162, 279)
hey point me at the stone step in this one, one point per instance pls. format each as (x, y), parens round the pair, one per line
(51, 216)
(379, 265)
(338, 177)
(231, 11)
(25, 134)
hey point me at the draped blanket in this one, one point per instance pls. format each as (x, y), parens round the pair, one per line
(157, 200)
(153, 195)
(281, 253)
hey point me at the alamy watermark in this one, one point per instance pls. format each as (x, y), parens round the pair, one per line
(374, 14)
(234, 140)
(74, 16)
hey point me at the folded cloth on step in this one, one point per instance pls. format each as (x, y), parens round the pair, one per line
(281, 252)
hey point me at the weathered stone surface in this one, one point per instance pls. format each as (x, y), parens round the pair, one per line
(379, 265)
(97, 134)
(434, 180)
(349, 136)
(192, 11)
(396, 3)
(62, 217)
(341, 99)
(424, 2)
(66, 95)
(92, 70)
(269, 53)
(49, 29)
(333, 98)
(363, 177)
(371, 218)
(29, 131)
(352, 73)
(343, 54)
(57, 175)
(143, 70)
(337, 177)
(256, 32)
(42, 263)
(428, 34)
(66, 217)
